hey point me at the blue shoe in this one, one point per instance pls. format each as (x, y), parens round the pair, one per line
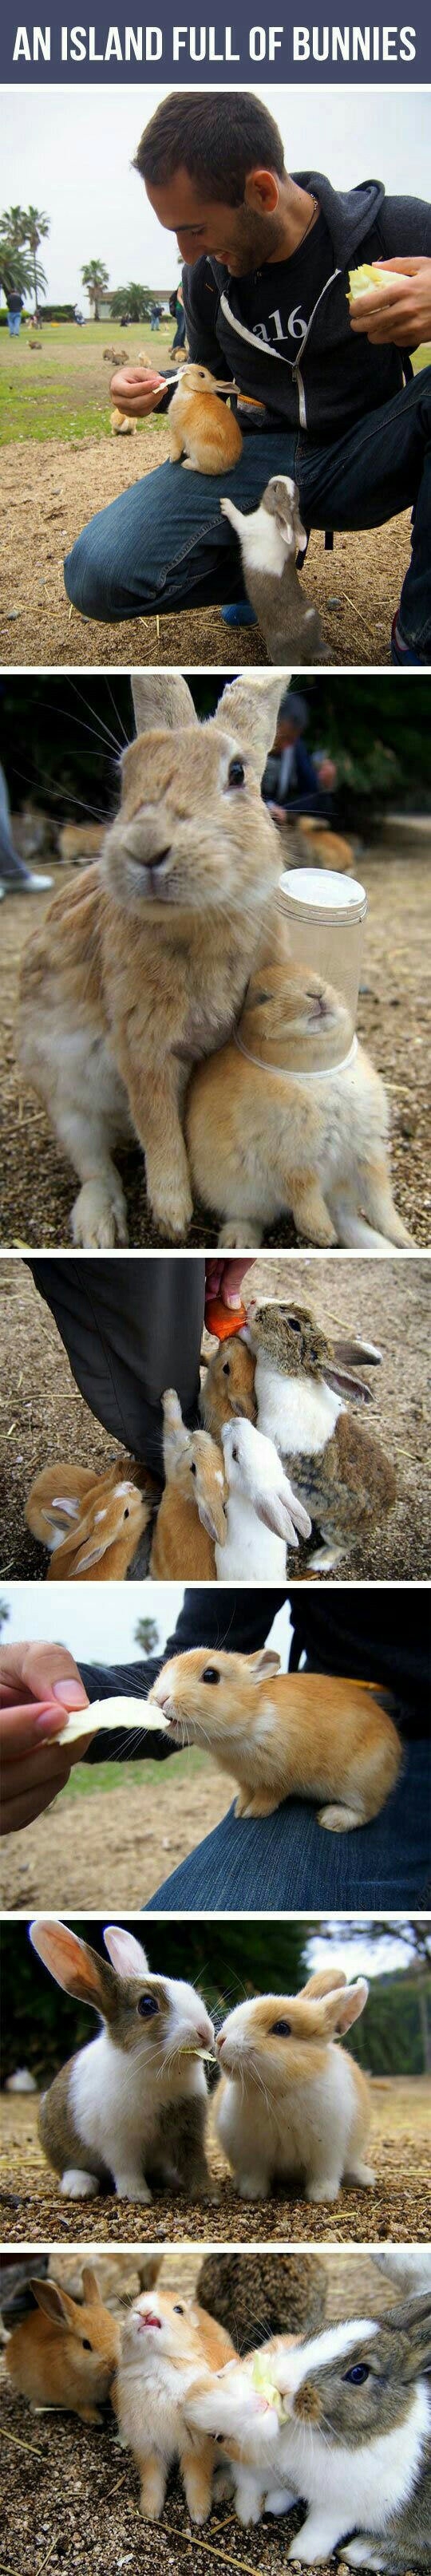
(240, 614)
(402, 654)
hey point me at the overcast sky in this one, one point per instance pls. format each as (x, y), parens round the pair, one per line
(69, 151)
(100, 1624)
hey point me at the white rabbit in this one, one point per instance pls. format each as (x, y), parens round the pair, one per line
(291, 2103)
(305, 1382)
(142, 964)
(262, 1514)
(134, 2101)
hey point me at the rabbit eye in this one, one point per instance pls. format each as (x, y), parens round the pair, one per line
(235, 1455)
(281, 2029)
(192, 1467)
(236, 773)
(211, 1674)
(219, 2437)
(226, 1368)
(178, 2312)
(147, 2006)
(360, 2371)
(126, 1514)
(86, 2345)
(294, 1327)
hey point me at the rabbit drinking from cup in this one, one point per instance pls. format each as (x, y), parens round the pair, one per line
(198, 422)
(165, 2341)
(90, 1524)
(191, 1515)
(283, 1735)
(291, 2104)
(142, 966)
(132, 2104)
(304, 1382)
(258, 1146)
(64, 2352)
(270, 539)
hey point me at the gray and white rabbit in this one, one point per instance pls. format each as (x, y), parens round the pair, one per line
(270, 538)
(131, 2105)
(305, 1383)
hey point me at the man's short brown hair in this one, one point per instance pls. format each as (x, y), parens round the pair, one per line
(217, 138)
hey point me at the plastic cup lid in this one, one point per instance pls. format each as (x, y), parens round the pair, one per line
(324, 887)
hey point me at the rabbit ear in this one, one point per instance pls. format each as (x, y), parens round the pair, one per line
(54, 2301)
(249, 709)
(91, 2286)
(128, 1955)
(67, 1505)
(354, 1388)
(414, 2318)
(73, 1964)
(325, 1982)
(161, 698)
(357, 1354)
(342, 2007)
(266, 1661)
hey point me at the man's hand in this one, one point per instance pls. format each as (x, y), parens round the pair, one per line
(137, 390)
(223, 1279)
(38, 1686)
(400, 313)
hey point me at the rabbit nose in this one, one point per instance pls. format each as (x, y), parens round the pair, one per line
(202, 2033)
(221, 2039)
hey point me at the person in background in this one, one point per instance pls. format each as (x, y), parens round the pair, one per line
(179, 316)
(297, 781)
(15, 307)
(15, 878)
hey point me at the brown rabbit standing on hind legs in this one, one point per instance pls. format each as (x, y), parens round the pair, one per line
(141, 967)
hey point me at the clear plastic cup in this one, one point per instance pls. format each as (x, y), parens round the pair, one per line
(326, 916)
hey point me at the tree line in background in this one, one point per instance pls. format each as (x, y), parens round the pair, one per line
(59, 740)
(228, 1962)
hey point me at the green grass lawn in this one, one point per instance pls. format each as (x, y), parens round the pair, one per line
(86, 1777)
(60, 389)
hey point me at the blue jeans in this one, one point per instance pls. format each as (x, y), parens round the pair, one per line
(164, 544)
(14, 324)
(286, 1863)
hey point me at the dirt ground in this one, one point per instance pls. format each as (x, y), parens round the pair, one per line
(43, 1416)
(33, 2210)
(128, 1842)
(51, 488)
(394, 1021)
(65, 2481)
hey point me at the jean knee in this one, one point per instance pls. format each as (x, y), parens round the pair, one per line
(86, 579)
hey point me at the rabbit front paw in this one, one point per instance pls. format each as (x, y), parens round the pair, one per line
(327, 2189)
(361, 2553)
(133, 2187)
(99, 1217)
(172, 1215)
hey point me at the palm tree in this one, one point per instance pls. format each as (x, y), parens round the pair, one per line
(37, 229)
(132, 299)
(96, 279)
(13, 225)
(15, 268)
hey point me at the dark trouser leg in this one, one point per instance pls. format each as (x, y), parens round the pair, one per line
(130, 1329)
(381, 467)
(287, 1863)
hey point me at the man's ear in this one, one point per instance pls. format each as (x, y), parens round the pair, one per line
(249, 709)
(161, 699)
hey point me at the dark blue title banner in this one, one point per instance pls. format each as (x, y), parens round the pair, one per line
(298, 48)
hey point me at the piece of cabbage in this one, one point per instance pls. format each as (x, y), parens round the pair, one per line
(111, 1713)
(361, 279)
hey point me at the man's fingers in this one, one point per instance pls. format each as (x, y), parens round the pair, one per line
(408, 267)
(43, 1672)
(23, 1728)
(46, 1769)
(32, 1803)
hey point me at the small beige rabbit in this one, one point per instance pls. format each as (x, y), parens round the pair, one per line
(283, 1735)
(291, 2104)
(205, 427)
(166, 2343)
(263, 1136)
(64, 2352)
(270, 539)
(90, 1524)
(227, 1391)
(133, 2103)
(305, 1384)
(191, 1515)
(142, 964)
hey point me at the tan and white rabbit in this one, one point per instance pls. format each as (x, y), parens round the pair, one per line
(264, 1137)
(241, 2407)
(133, 2103)
(142, 964)
(64, 2353)
(227, 1389)
(305, 1381)
(165, 2342)
(355, 2437)
(205, 427)
(270, 539)
(191, 1513)
(90, 1524)
(291, 2104)
(263, 1514)
(282, 1735)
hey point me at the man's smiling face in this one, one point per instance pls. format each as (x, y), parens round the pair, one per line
(242, 237)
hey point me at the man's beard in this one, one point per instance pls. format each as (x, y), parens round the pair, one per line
(258, 238)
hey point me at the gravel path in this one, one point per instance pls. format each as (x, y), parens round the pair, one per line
(33, 2210)
(394, 1021)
